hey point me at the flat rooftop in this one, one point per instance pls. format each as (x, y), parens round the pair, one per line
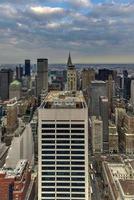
(14, 172)
(64, 99)
(127, 186)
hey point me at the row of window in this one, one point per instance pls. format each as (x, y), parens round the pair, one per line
(62, 168)
(63, 163)
(63, 173)
(64, 189)
(63, 141)
(62, 195)
(62, 152)
(62, 125)
(62, 136)
(62, 147)
(63, 157)
(62, 131)
(77, 180)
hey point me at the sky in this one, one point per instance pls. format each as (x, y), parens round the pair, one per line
(94, 31)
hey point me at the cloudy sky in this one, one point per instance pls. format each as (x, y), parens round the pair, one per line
(92, 30)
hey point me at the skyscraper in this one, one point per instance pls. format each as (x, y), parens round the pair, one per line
(19, 72)
(104, 116)
(132, 92)
(97, 89)
(63, 147)
(6, 77)
(42, 75)
(27, 68)
(71, 75)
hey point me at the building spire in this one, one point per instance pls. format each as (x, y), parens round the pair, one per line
(69, 62)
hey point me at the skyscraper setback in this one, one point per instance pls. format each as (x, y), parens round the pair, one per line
(63, 147)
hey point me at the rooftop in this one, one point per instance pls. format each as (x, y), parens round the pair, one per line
(64, 99)
(14, 172)
(127, 186)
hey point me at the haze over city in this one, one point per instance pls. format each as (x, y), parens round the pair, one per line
(93, 30)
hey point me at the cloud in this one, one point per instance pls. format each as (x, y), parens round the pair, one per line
(46, 10)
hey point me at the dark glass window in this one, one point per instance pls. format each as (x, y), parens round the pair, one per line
(48, 141)
(77, 152)
(78, 195)
(63, 168)
(48, 136)
(77, 163)
(77, 147)
(48, 168)
(78, 184)
(48, 131)
(78, 190)
(63, 125)
(77, 131)
(48, 152)
(63, 141)
(77, 136)
(63, 195)
(48, 173)
(63, 178)
(63, 131)
(77, 179)
(77, 168)
(48, 157)
(62, 147)
(63, 173)
(63, 136)
(63, 184)
(77, 173)
(63, 189)
(48, 125)
(48, 162)
(48, 184)
(63, 162)
(48, 147)
(63, 152)
(48, 178)
(77, 125)
(77, 157)
(77, 141)
(48, 194)
(63, 157)
(48, 189)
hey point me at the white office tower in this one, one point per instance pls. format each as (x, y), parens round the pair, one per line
(63, 147)
(132, 92)
(42, 75)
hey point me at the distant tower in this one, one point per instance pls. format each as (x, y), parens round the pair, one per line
(27, 68)
(42, 75)
(71, 75)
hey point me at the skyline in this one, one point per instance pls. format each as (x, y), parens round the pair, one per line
(97, 31)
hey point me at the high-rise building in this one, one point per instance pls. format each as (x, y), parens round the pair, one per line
(104, 115)
(12, 116)
(15, 90)
(132, 92)
(42, 75)
(63, 147)
(96, 89)
(6, 77)
(19, 72)
(88, 75)
(97, 135)
(71, 75)
(113, 138)
(27, 68)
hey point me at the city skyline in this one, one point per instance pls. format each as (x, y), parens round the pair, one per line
(93, 30)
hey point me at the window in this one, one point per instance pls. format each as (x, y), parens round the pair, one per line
(63, 141)
(77, 168)
(48, 189)
(77, 147)
(77, 141)
(77, 157)
(48, 147)
(48, 141)
(48, 131)
(63, 152)
(48, 173)
(62, 147)
(48, 178)
(77, 173)
(63, 168)
(48, 162)
(77, 152)
(48, 152)
(63, 125)
(77, 179)
(63, 157)
(77, 163)
(48, 184)
(48, 194)
(77, 131)
(48, 136)
(63, 173)
(63, 189)
(48, 157)
(78, 184)
(63, 178)
(48, 125)
(78, 190)
(48, 168)
(63, 136)
(63, 131)
(63, 162)
(77, 125)
(77, 136)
